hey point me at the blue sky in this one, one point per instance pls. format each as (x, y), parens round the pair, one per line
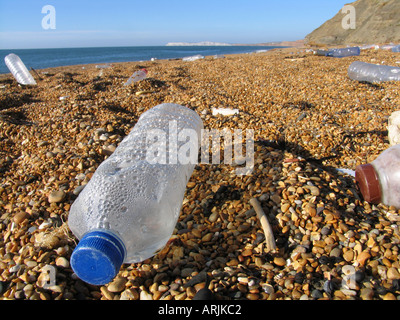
(141, 23)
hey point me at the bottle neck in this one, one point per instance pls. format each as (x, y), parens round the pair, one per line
(98, 257)
(367, 179)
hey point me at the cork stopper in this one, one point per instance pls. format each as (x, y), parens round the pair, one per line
(368, 182)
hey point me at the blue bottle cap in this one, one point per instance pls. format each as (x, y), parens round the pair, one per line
(98, 257)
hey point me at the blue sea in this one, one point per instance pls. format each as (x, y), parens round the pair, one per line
(47, 58)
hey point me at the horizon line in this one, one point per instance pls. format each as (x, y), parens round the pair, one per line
(266, 44)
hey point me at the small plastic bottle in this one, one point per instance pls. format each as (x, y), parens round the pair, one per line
(396, 49)
(193, 58)
(363, 71)
(19, 70)
(320, 52)
(103, 66)
(129, 208)
(379, 181)
(137, 76)
(344, 52)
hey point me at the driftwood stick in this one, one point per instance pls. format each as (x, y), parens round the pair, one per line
(269, 235)
(37, 74)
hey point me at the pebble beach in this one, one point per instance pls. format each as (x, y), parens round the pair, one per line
(310, 122)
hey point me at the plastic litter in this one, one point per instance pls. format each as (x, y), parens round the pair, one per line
(139, 93)
(394, 128)
(379, 181)
(37, 74)
(137, 76)
(343, 52)
(320, 52)
(363, 71)
(347, 171)
(396, 49)
(193, 58)
(19, 70)
(387, 47)
(224, 111)
(103, 66)
(129, 208)
(369, 46)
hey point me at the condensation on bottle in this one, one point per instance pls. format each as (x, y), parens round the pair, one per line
(130, 207)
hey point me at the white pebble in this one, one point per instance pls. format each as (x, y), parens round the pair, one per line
(45, 225)
(268, 288)
(62, 262)
(14, 268)
(103, 137)
(32, 229)
(145, 296)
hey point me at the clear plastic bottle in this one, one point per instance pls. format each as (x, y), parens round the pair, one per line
(103, 66)
(344, 52)
(129, 208)
(193, 58)
(363, 71)
(396, 49)
(321, 52)
(379, 181)
(18, 70)
(137, 76)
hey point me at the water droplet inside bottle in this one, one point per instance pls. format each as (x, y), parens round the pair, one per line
(144, 228)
